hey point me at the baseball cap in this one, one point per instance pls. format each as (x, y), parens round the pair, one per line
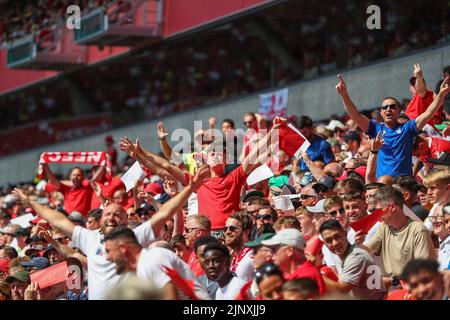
(4, 265)
(36, 248)
(253, 193)
(154, 188)
(442, 126)
(109, 138)
(326, 181)
(290, 237)
(279, 181)
(444, 159)
(34, 238)
(318, 208)
(37, 262)
(22, 276)
(360, 171)
(335, 124)
(257, 242)
(352, 135)
(76, 216)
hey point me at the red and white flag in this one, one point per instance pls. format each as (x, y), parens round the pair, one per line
(291, 140)
(274, 104)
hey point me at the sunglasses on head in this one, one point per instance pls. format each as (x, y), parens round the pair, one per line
(265, 271)
(264, 216)
(335, 212)
(389, 106)
(231, 228)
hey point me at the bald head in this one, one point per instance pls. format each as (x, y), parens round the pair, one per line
(334, 169)
(387, 180)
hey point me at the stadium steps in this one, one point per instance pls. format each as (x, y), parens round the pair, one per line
(275, 46)
(80, 103)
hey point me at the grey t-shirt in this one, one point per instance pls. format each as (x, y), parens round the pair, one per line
(360, 270)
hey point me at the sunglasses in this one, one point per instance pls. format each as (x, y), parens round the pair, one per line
(335, 212)
(189, 230)
(389, 106)
(264, 271)
(231, 228)
(264, 216)
(306, 196)
(247, 123)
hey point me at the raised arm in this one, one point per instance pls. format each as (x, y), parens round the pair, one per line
(166, 149)
(175, 204)
(350, 107)
(55, 218)
(262, 150)
(132, 150)
(316, 171)
(420, 81)
(63, 249)
(422, 119)
(375, 146)
(51, 176)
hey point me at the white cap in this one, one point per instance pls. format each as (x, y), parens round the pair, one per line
(290, 237)
(335, 124)
(318, 208)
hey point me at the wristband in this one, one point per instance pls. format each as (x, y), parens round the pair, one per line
(374, 152)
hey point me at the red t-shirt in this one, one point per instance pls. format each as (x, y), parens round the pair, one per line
(108, 189)
(113, 155)
(77, 199)
(308, 270)
(194, 264)
(436, 146)
(219, 197)
(418, 105)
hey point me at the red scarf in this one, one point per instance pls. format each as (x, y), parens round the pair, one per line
(237, 258)
(89, 157)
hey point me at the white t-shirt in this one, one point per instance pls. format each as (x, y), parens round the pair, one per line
(231, 290)
(101, 273)
(150, 266)
(244, 269)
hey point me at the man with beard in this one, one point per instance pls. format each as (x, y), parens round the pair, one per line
(237, 231)
(217, 262)
(123, 249)
(101, 273)
(424, 280)
(77, 194)
(358, 267)
(395, 157)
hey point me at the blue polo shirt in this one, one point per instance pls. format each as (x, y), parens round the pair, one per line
(318, 150)
(395, 157)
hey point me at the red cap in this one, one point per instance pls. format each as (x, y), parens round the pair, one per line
(361, 171)
(154, 188)
(4, 265)
(109, 138)
(36, 220)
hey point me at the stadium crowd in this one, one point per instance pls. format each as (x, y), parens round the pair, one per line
(222, 63)
(362, 213)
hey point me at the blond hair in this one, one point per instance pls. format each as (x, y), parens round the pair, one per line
(437, 177)
(332, 201)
